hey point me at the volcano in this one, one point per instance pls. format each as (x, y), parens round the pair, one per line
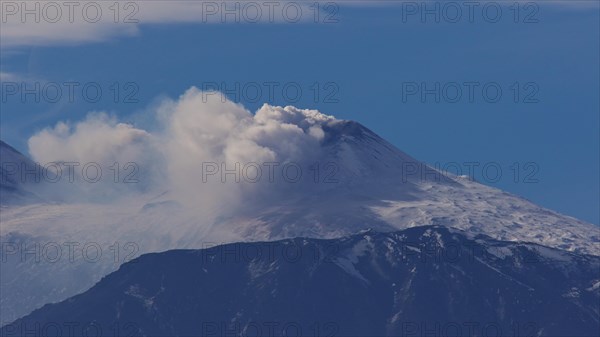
(364, 183)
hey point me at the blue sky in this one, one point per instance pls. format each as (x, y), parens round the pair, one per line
(361, 66)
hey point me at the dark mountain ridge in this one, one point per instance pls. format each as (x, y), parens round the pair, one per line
(421, 281)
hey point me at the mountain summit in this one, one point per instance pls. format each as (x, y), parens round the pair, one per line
(376, 185)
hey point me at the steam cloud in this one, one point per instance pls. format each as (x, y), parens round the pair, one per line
(197, 129)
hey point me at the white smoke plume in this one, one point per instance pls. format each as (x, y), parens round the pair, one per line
(199, 136)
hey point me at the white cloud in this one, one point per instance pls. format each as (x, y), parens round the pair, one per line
(48, 22)
(74, 22)
(8, 77)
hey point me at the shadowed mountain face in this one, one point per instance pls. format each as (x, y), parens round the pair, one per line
(421, 281)
(17, 174)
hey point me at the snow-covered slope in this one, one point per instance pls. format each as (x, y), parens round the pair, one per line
(371, 184)
(381, 187)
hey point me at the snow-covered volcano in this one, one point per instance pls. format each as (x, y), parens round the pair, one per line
(352, 180)
(381, 187)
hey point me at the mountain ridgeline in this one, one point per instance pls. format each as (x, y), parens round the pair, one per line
(422, 281)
